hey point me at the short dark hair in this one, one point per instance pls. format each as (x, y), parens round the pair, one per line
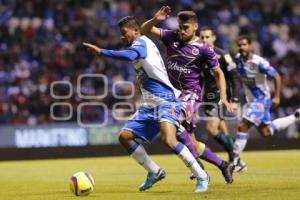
(208, 28)
(245, 37)
(130, 22)
(187, 15)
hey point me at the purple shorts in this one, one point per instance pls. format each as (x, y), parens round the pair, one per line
(189, 102)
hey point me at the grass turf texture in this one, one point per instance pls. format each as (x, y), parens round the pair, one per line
(271, 175)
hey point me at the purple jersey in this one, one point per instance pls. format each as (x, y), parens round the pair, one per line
(185, 61)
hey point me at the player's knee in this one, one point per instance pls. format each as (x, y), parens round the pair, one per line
(121, 138)
(244, 126)
(124, 137)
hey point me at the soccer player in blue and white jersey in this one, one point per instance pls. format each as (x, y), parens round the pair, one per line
(254, 71)
(160, 111)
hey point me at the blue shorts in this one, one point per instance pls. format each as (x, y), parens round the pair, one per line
(258, 112)
(145, 122)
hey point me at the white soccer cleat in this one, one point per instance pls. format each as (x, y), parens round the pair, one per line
(240, 166)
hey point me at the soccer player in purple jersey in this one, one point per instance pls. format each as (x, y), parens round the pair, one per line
(186, 56)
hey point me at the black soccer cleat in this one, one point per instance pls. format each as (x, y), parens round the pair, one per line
(227, 170)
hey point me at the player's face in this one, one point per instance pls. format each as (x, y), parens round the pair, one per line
(244, 47)
(187, 30)
(208, 37)
(128, 35)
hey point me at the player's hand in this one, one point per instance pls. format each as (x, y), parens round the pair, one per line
(275, 102)
(226, 104)
(163, 13)
(92, 47)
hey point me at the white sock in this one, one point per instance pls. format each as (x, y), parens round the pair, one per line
(282, 123)
(240, 143)
(141, 156)
(186, 156)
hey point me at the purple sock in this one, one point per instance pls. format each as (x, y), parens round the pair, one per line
(211, 157)
(185, 139)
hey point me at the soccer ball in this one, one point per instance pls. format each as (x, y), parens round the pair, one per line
(82, 184)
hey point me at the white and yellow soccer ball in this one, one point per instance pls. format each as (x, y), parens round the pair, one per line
(82, 184)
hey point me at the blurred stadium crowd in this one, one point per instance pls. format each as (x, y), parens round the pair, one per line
(40, 42)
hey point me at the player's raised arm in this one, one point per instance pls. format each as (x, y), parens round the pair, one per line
(148, 28)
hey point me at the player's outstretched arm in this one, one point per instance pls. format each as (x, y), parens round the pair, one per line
(91, 47)
(221, 83)
(148, 28)
(128, 54)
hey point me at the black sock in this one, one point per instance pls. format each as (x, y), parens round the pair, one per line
(225, 140)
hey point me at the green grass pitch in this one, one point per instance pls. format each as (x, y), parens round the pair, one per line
(271, 175)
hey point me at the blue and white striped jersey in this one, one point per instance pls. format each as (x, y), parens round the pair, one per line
(254, 73)
(151, 73)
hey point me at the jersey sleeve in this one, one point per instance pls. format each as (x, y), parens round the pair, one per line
(136, 51)
(129, 55)
(139, 46)
(210, 57)
(265, 67)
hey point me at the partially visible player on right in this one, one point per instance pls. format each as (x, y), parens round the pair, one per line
(254, 71)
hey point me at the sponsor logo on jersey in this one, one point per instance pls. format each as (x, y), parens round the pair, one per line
(176, 44)
(195, 51)
(251, 66)
(175, 66)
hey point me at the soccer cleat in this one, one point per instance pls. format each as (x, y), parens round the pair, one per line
(297, 115)
(227, 170)
(239, 165)
(201, 184)
(152, 179)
